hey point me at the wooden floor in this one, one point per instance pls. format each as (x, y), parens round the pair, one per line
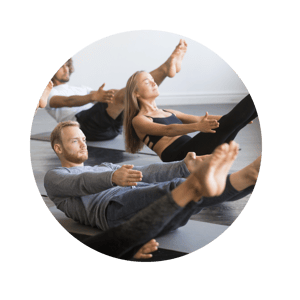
(43, 158)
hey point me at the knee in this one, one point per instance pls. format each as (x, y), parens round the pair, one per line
(119, 97)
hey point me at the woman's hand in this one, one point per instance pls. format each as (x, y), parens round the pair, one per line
(207, 125)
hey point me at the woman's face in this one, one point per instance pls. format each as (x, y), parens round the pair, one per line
(146, 86)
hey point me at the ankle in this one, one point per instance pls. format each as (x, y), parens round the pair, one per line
(252, 175)
(194, 188)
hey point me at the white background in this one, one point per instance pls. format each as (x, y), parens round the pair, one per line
(204, 78)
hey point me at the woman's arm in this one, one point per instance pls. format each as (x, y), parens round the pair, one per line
(186, 119)
(144, 125)
(212, 117)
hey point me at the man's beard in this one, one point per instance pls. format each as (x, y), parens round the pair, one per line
(75, 159)
(63, 80)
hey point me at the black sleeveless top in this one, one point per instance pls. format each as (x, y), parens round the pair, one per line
(166, 121)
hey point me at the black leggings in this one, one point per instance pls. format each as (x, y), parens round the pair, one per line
(205, 143)
(126, 239)
(157, 219)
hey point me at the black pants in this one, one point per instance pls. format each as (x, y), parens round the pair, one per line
(157, 219)
(97, 125)
(205, 143)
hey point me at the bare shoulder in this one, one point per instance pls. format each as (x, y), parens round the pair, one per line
(173, 111)
(140, 119)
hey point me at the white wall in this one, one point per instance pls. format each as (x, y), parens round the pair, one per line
(204, 77)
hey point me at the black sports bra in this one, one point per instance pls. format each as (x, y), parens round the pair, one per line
(166, 121)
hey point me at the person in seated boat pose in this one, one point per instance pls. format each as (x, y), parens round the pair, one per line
(165, 131)
(134, 205)
(100, 112)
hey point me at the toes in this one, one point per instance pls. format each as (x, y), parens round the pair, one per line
(224, 147)
(233, 149)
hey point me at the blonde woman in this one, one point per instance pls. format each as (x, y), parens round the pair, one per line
(165, 131)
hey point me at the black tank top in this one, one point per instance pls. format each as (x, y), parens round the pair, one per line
(166, 121)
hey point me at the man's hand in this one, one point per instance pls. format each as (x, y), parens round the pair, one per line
(125, 176)
(143, 253)
(103, 96)
(207, 125)
(192, 161)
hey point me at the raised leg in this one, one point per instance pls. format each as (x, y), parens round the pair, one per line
(45, 95)
(247, 176)
(230, 125)
(172, 65)
(167, 69)
(171, 210)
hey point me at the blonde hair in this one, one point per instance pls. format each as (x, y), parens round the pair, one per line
(132, 142)
(55, 137)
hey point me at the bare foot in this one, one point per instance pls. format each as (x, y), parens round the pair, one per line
(173, 64)
(246, 177)
(145, 251)
(211, 174)
(253, 170)
(192, 161)
(45, 95)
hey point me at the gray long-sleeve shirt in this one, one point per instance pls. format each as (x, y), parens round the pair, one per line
(83, 193)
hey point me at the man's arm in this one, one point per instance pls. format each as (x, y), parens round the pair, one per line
(61, 183)
(160, 172)
(76, 100)
(71, 101)
(167, 171)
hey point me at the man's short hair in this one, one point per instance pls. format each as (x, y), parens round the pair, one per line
(55, 137)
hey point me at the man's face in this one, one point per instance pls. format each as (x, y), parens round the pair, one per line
(63, 74)
(74, 148)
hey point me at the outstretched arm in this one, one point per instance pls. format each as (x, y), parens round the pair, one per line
(128, 175)
(76, 100)
(144, 126)
(61, 183)
(160, 172)
(187, 119)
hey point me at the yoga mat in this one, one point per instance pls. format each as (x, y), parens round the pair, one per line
(191, 237)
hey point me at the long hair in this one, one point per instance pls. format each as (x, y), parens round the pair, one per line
(132, 142)
(69, 63)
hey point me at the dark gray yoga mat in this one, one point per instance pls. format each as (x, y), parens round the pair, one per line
(191, 237)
